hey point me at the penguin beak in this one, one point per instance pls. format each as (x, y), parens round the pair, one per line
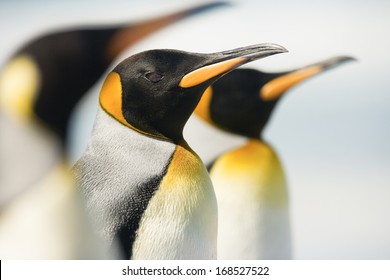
(131, 33)
(218, 64)
(276, 87)
(333, 62)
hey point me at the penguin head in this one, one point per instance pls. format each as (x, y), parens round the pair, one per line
(155, 92)
(242, 101)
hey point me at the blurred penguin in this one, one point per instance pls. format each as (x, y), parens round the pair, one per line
(68, 62)
(249, 180)
(41, 213)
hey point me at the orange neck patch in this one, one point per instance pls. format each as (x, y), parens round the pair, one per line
(111, 97)
(203, 108)
(111, 101)
(185, 169)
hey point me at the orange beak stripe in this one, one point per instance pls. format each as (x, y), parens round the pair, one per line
(205, 73)
(278, 86)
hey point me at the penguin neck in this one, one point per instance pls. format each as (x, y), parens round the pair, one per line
(257, 147)
(166, 124)
(268, 153)
(184, 145)
(252, 148)
(180, 218)
(107, 126)
(256, 141)
(255, 163)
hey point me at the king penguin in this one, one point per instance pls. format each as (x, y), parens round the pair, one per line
(68, 62)
(42, 215)
(144, 185)
(249, 180)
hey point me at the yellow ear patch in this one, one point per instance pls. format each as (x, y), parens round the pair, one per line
(205, 73)
(19, 85)
(203, 108)
(111, 101)
(111, 97)
(278, 86)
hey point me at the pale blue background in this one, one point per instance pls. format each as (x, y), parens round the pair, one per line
(332, 132)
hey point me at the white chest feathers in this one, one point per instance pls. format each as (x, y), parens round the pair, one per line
(253, 221)
(160, 193)
(181, 219)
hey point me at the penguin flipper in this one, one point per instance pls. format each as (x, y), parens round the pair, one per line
(126, 234)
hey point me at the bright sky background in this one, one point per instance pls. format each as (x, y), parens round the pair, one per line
(332, 132)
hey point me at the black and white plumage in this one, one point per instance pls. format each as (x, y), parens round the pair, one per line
(249, 179)
(143, 184)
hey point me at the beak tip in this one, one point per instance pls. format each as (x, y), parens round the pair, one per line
(264, 50)
(283, 49)
(277, 48)
(347, 58)
(351, 58)
(338, 60)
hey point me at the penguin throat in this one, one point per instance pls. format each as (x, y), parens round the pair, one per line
(166, 129)
(164, 118)
(148, 132)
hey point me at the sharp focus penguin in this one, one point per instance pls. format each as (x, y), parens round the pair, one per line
(67, 63)
(142, 182)
(249, 180)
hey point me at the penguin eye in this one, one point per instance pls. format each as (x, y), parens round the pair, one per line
(154, 77)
